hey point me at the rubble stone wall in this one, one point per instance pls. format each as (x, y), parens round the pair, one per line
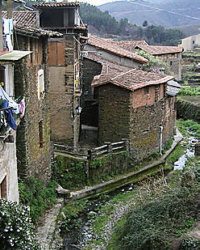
(33, 150)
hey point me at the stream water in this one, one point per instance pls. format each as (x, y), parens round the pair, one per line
(189, 144)
(76, 238)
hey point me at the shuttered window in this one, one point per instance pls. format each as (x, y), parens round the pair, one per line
(56, 53)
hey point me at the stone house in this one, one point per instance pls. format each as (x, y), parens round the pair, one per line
(126, 102)
(65, 75)
(31, 83)
(190, 43)
(134, 105)
(172, 55)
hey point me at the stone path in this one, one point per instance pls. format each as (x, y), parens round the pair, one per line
(45, 232)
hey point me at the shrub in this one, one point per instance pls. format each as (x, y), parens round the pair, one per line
(35, 194)
(155, 223)
(16, 229)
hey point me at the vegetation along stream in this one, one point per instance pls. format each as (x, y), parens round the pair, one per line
(157, 213)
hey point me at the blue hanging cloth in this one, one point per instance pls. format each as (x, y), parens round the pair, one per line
(9, 115)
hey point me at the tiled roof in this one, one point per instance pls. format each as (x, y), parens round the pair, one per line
(32, 31)
(23, 18)
(160, 50)
(25, 22)
(55, 4)
(130, 45)
(125, 77)
(107, 45)
(153, 50)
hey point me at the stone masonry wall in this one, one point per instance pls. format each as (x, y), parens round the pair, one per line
(141, 124)
(33, 152)
(65, 95)
(89, 114)
(114, 113)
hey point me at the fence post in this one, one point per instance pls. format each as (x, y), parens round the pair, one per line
(87, 165)
(109, 147)
(126, 145)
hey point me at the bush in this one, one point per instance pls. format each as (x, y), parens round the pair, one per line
(155, 223)
(33, 193)
(16, 229)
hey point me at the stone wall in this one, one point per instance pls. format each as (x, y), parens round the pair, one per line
(33, 134)
(148, 126)
(114, 113)
(89, 114)
(65, 94)
(174, 62)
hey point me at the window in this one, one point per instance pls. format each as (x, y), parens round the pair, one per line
(171, 63)
(56, 53)
(41, 142)
(3, 188)
(40, 83)
(146, 90)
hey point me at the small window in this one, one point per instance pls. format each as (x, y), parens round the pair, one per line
(41, 142)
(40, 83)
(146, 90)
(3, 188)
(171, 63)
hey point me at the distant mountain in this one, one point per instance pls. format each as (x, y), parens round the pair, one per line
(167, 13)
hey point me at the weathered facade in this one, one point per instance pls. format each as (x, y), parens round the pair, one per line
(9, 112)
(64, 69)
(31, 82)
(144, 115)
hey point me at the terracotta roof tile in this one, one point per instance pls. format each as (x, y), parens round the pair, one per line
(107, 45)
(160, 50)
(24, 18)
(130, 45)
(55, 4)
(125, 77)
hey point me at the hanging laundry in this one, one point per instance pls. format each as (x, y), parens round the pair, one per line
(11, 103)
(9, 43)
(9, 115)
(22, 108)
(5, 26)
(10, 21)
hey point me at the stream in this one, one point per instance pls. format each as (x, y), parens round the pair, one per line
(78, 237)
(189, 144)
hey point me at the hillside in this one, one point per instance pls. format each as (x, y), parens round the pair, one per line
(167, 13)
(103, 24)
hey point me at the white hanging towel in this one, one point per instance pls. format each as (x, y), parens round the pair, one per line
(11, 103)
(9, 43)
(6, 24)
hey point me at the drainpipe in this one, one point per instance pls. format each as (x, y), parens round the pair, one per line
(161, 140)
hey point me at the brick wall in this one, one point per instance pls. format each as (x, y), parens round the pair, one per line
(33, 151)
